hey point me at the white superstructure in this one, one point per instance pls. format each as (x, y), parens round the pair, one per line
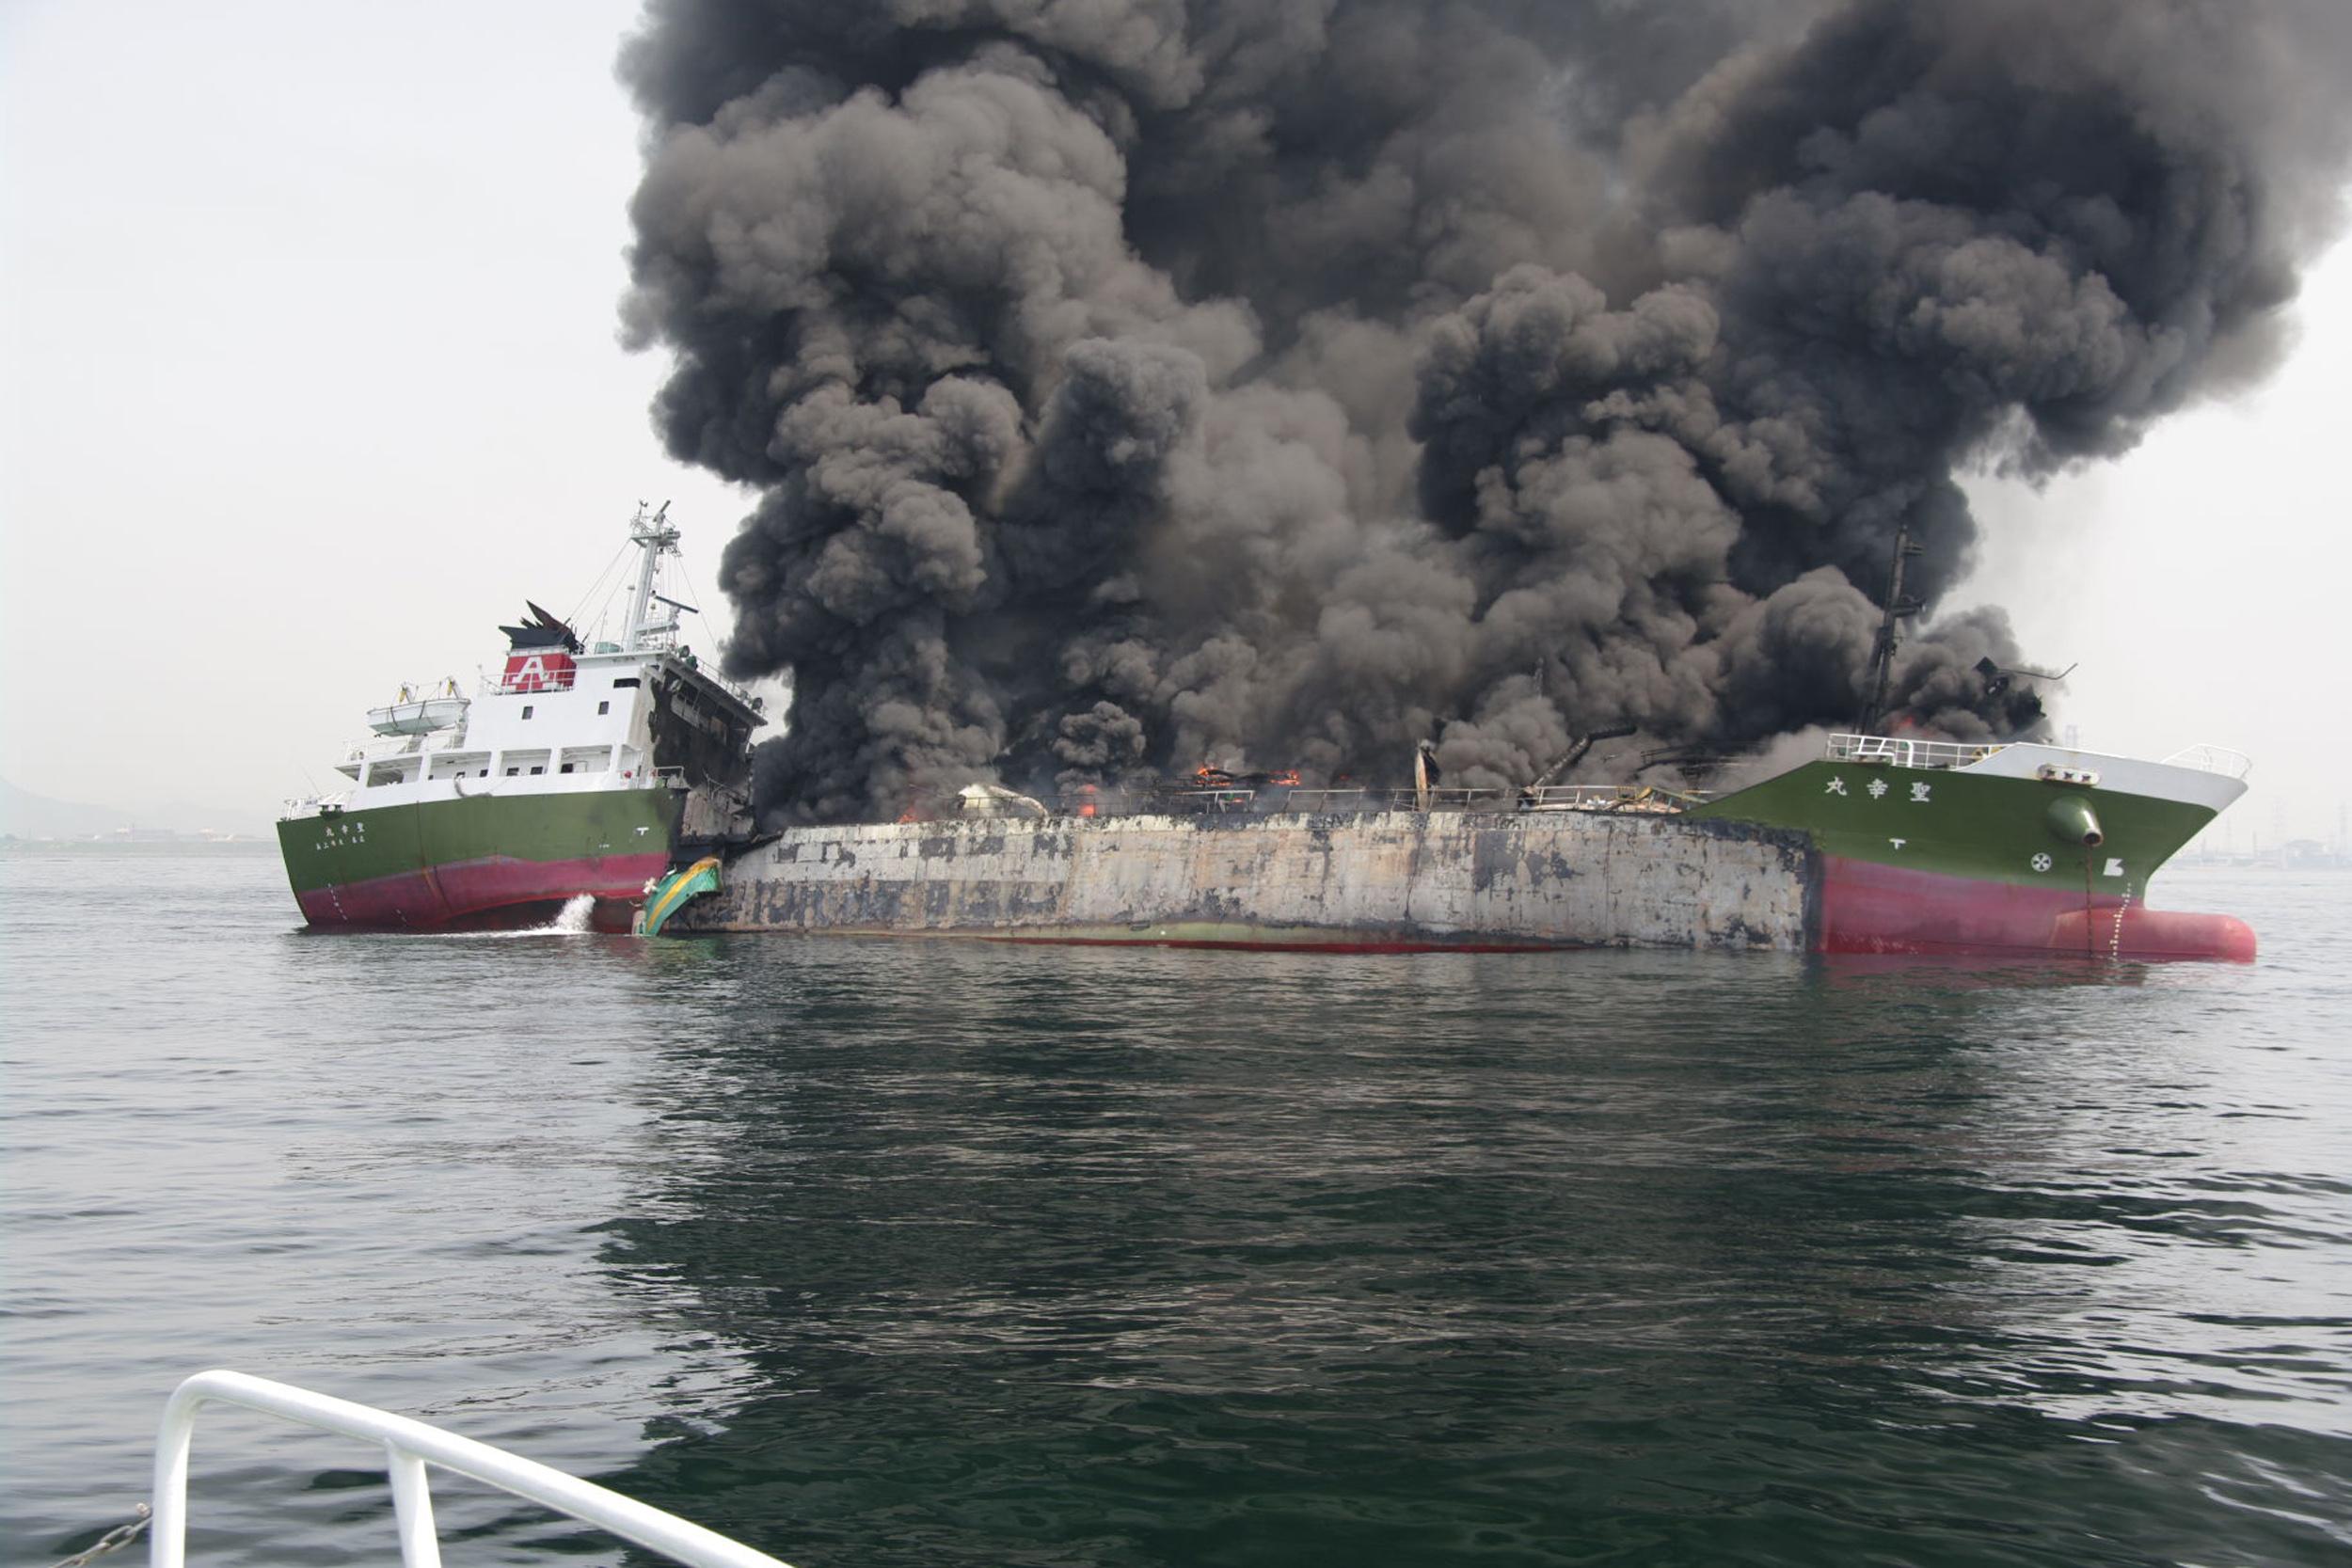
(561, 717)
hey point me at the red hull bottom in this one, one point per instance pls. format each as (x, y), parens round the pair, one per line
(485, 895)
(1255, 944)
(1869, 908)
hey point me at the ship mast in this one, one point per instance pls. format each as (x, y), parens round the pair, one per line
(656, 537)
(1890, 634)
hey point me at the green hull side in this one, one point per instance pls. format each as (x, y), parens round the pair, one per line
(1963, 824)
(358, 845)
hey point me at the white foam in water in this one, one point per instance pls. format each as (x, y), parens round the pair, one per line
(570, 921)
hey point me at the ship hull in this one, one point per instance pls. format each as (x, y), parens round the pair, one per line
(1373, 882)
(482, 863)
(1876, 909)
(1242, 937)
(1833, 858)
(1958, 862)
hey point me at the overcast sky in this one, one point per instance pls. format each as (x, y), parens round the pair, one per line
(312, 376)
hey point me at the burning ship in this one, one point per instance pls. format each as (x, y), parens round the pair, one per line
(1883, 844)
(619, 771)
(1127, 385)
(582, 771)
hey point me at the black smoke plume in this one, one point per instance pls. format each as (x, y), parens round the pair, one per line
(1135, 384)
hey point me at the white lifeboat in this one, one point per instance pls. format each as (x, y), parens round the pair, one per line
(415, 715)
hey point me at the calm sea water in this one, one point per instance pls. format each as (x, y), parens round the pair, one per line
(880, 1252)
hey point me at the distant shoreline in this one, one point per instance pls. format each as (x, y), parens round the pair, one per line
(12, 843)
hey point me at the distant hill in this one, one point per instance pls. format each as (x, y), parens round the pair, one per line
(31, 815)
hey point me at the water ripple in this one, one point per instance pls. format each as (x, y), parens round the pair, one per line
(892, 1254)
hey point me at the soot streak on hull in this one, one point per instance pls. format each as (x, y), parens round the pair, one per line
(1391, 881)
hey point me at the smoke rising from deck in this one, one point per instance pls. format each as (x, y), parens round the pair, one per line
(1147, 383)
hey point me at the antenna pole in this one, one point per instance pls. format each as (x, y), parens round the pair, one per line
(1897, 609)
(654, 537)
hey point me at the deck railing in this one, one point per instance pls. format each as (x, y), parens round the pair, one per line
(2212, 759)
(1898, 751)
(1636, 799)
(408, 1447)
(1285, 799)
(314, 805)
(1288, 800)
(1322, 802)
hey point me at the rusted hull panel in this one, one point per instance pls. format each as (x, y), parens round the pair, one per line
(1273, 939)
(1373, 882)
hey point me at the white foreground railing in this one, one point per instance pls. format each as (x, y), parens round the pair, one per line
(408, 1447)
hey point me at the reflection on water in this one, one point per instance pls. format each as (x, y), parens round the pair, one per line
(905, 1253)
(1108, 1257)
